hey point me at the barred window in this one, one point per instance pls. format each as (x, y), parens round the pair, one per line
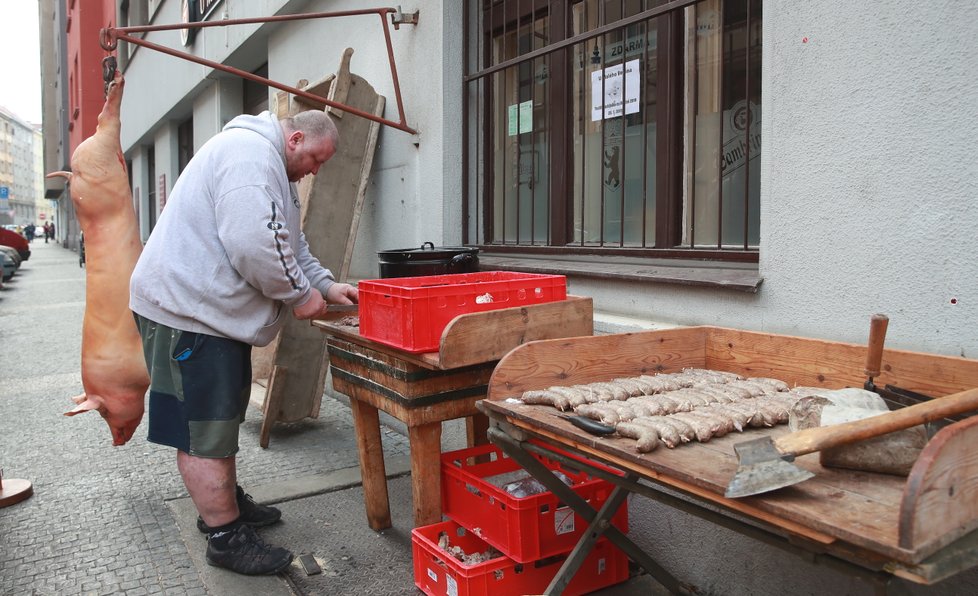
(614, 126)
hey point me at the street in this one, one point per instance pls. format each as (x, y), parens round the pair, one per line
(101, 519)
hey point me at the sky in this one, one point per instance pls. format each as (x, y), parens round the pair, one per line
(20, 68)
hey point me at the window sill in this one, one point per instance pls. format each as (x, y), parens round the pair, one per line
(732, 276)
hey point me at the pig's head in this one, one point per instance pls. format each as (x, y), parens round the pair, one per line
(122, 418)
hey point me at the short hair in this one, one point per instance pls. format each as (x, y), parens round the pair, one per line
(315, 124)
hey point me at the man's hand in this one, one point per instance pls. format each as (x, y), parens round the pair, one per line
(314, 307)
(342, 294)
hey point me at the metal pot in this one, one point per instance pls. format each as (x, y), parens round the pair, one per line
(428, 260)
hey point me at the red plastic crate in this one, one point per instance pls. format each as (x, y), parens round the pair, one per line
(410, 313)
(524, 529)
(438, 573)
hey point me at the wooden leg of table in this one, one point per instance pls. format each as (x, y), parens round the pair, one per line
(475, 429)
(273, 401)
(366, 424)
(425, 442)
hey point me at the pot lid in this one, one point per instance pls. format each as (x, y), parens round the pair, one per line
(429, 251)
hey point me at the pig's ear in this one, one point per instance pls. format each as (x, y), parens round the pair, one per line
(84, 405)
(62, 173)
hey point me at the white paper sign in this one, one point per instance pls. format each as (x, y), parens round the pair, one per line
(563, 521)
(615, 90)
(520, 118)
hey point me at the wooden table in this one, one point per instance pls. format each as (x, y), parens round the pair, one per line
(923, 528)
(424, 390)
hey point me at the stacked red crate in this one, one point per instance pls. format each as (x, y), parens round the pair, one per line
(533, 533)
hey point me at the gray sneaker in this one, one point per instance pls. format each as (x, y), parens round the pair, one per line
(247, 554)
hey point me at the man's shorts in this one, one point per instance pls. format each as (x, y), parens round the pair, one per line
(199, 389)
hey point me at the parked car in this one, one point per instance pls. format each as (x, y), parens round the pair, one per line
(15, 240)
(12, 253)
(9, 268)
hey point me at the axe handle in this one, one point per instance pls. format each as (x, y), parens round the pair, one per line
(874, 355)
(817, 439)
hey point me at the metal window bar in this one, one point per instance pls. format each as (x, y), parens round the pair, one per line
(690, 124)
(585, 120)
(582, 37)
(517, 75)
(466, 147)
(643, 102)
(601, 206)
(110, 36)
(518, 72)
(550, 48)
(548, 126)
(622, 161)
(486, 145)
(722, 62)
(644, 23)
(502, 76)
(750, 122)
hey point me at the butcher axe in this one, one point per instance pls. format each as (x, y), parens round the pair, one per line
(765, 463)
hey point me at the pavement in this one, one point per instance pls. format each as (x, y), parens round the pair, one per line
(117, 520)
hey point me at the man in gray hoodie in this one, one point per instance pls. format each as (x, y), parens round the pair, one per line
(222, 266)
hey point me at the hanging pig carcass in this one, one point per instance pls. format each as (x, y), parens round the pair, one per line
(113, 368)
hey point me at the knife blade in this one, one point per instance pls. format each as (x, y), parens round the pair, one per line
(343, 308)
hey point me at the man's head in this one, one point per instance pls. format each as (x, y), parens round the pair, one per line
(310, 140)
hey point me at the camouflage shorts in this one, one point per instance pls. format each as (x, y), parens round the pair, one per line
(199, 389)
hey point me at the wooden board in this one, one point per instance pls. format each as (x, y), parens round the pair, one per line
(331, 203)
(849, 510)
(476, 338)
(795, 360)
(466, 341)
(940, 501)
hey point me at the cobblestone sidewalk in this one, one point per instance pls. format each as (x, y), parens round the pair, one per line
(98, 522)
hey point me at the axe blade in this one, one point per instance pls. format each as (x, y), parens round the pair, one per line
(762, 468)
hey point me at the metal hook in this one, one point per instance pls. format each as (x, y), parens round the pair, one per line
(109, 65)
(107, 39)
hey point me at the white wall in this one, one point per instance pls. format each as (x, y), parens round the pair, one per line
(869, 176)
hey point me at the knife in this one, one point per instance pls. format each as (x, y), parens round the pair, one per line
(343, 308)
(592, 426)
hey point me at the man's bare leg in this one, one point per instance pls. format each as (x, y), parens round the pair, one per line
(211, 483)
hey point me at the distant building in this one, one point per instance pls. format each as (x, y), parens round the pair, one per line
(73, 92)
(19, 175)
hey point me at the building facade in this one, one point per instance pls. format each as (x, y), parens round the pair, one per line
(19, 173)
(72, 92)
(669, 206)
(774, 166)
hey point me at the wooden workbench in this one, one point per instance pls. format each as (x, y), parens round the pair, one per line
(922, 528)
(423, 390)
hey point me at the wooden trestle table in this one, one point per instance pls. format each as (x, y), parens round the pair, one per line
(922, 528)
(424, 390)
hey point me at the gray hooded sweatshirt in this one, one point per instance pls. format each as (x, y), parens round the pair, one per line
(228, 257)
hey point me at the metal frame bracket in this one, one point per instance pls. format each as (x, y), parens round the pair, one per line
(399, 18)
(110, 36)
